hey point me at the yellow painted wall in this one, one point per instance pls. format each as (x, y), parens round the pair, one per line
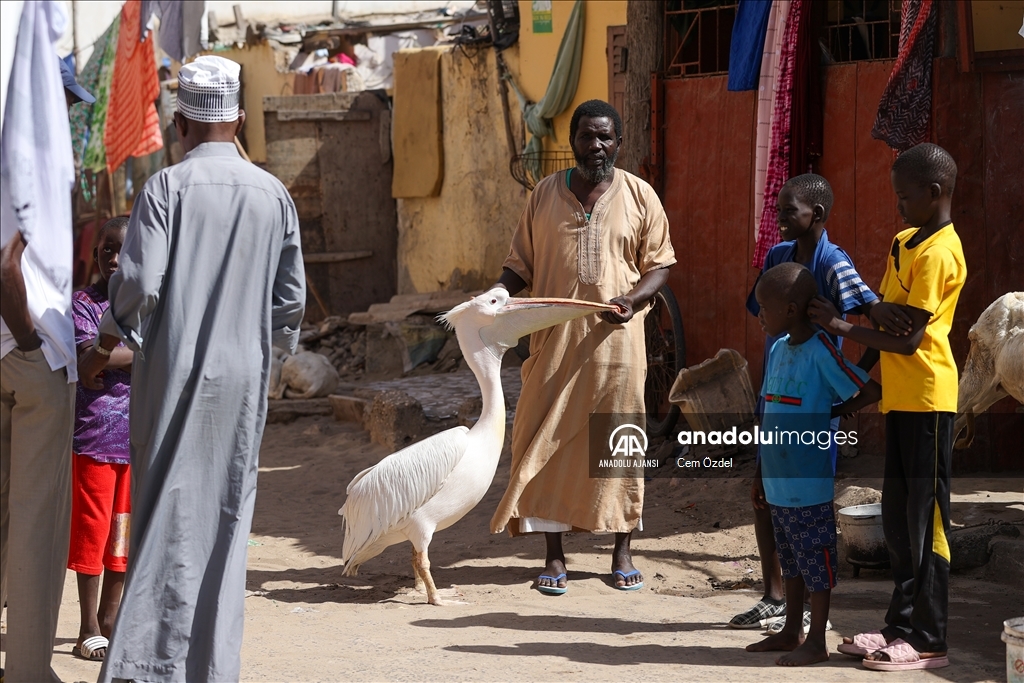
(460, 238)
(996, 24)
(538, 51)
(263, 73)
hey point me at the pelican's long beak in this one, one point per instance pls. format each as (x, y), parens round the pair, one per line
(520, 317)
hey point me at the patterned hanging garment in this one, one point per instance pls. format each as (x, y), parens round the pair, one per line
(779, 147)
(904, 112)
(101, 68)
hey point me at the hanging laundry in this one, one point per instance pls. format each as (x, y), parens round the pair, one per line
(780, 145)
(747, 47)
(133, 125)
(96, 78)
(904, 113)
(180, 25)
(807, 118)
(766, 102)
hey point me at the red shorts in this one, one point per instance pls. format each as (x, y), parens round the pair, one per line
(100, 515)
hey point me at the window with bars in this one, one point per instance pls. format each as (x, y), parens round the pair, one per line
(697, 36)
(857, 30)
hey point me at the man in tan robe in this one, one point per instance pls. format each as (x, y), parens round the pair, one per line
(595, 233)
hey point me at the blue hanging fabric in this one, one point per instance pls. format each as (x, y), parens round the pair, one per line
(747, 45)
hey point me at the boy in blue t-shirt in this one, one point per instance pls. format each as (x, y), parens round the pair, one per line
(804, 205)
(805, 377)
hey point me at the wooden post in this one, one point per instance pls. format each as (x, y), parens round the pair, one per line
(645, 36)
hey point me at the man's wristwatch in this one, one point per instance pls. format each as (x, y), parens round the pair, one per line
(99, 349)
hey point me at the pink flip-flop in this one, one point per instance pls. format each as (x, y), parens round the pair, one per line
(863, 644)
(903, 657)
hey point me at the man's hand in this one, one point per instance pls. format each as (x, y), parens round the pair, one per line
(893, 318)
(824, 314)
(90, 368)
(624, 313)
(757, 494)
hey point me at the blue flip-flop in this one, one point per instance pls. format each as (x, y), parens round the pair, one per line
(626, 575)
(552, 590)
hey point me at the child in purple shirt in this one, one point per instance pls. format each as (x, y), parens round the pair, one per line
(101, 479)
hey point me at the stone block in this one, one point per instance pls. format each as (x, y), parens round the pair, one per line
(348, 408)
(1006, 561)
(969, 547)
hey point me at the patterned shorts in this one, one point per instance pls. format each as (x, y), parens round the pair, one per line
(806, 542)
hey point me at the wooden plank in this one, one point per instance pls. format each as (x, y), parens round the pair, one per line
(358, 211)
(875, 212)
(336, 256)
(332, 101)
(958, 112)
(1003, 103)
(417, 124)
(708, 166)
(319, 115)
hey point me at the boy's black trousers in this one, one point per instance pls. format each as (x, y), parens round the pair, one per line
(915, 519)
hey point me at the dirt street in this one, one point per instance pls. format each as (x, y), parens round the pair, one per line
(306, 622)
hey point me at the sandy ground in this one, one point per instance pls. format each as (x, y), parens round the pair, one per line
(306, 622)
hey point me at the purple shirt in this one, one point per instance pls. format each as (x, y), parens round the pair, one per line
(101, 416)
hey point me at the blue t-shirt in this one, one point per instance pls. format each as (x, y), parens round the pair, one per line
(801, 384)
(837, 280)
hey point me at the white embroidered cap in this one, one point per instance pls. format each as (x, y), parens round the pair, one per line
(208, 89)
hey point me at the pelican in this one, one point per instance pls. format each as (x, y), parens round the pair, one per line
(430, 485)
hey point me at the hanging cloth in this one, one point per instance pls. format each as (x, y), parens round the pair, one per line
(766, 101)
(779, 147)
(565, 76)
(133, 125)
(98, 73)
(180, 25)
(807, 117)
(904, 113)
(747, 46)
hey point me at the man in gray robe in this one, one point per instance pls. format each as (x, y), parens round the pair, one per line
(210, 276)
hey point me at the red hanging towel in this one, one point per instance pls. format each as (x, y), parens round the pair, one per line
(133, 125)
(904, 112)
(779, 149)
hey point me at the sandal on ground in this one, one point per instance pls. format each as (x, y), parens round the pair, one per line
(626, 575)
(760, 615)
(93, 649)
(903, 657)
(552, 590)
(863, 644)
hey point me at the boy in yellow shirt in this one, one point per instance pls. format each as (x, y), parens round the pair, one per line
(923, 278)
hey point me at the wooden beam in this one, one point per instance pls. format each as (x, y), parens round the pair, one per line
(336, 256)
(314, 115)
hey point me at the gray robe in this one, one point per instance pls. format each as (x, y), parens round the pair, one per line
(209, 277)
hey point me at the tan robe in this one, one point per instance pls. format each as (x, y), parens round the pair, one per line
(584, 366)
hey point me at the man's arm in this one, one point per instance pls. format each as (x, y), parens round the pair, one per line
(289, 291)
(870, 393)
(823, 313)
(15, 299)
(645, 289)
(510, 281)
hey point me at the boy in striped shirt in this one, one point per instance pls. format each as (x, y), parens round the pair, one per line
(804, 205)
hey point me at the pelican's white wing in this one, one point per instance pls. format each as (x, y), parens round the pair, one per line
(383, 496)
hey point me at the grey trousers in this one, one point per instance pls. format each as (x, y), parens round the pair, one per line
(36, 422)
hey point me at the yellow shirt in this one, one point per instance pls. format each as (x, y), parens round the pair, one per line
(928, 276)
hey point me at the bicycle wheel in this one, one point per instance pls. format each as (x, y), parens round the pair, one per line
(666, 355)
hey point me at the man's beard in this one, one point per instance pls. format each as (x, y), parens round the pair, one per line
(596, 176)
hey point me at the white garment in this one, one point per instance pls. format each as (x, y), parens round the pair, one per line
(37, 174)
(10, 19)
(529, 525)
